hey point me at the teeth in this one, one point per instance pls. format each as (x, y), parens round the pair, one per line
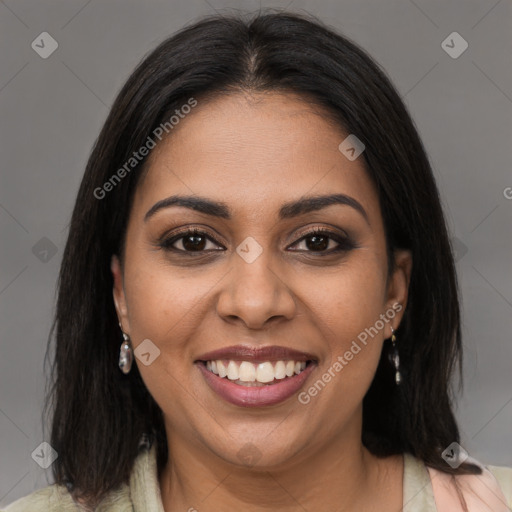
(244, 372)
(221, 369)
(280, 370)
(265, 372)
(247, 372)
(232, 371)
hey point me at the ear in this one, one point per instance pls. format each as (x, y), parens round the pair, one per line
(398, 287)
(119, 295)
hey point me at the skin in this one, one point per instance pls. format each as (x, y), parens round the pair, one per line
(254, 153)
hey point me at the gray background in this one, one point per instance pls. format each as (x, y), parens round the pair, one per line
(52, 109)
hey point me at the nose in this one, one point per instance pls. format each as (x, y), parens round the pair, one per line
(255, 294)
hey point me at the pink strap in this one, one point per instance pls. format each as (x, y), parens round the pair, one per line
(482, 493)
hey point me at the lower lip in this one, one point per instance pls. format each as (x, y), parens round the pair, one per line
(255, 396)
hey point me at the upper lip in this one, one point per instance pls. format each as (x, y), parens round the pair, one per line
(256, 354)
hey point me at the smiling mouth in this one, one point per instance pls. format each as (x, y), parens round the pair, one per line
(248, 374)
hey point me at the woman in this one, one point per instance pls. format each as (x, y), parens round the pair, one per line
(258, 305)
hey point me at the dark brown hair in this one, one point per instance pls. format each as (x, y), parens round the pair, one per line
(98, 413)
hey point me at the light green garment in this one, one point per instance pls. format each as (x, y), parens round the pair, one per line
(142, 494)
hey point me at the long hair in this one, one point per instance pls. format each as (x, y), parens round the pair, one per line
(98, 413)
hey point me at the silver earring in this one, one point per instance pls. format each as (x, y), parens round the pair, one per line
(395, 358)
(125, 354)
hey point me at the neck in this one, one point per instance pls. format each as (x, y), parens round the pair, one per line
(340, 475)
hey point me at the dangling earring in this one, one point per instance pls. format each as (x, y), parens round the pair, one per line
(395, 358)
(125, 354)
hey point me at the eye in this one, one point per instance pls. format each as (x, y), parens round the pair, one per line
(319, 239)
(191, 240)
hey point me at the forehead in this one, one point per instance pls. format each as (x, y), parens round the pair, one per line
(255, 152)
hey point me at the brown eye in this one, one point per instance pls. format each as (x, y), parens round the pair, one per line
(317, 242)
(192, 240)
(197, 241)
(320, 240)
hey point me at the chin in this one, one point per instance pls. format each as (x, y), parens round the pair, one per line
(259, 450)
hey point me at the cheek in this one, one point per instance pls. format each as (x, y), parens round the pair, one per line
(165, 306)
(166, 309)
(351, 299)
(347, 308)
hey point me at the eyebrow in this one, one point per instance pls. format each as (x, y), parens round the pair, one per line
(287, 210)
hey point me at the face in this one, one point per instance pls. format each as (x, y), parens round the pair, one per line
(258, 273)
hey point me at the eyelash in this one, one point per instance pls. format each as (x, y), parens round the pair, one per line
(344, 243)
